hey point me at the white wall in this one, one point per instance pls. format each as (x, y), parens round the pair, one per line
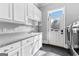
(72, 13)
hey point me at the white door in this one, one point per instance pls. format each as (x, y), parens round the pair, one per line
(53, 38)
(61, 32)
(57, 34)
(4, 10)
(19, 11)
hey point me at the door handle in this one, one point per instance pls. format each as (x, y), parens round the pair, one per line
(61, 31)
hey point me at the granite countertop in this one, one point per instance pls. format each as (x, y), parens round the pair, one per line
(6, 41)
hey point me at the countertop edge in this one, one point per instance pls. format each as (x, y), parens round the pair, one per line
(18, 40)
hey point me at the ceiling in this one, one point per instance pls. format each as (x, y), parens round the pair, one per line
(39, 5)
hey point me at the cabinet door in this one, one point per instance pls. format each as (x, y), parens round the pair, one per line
(27, 50)
(4, 10)
(40, 16)
(30, 10)
(36, 47)
(35, 13)
(16, 52)
(26, 13)
(40, 40)
(36, 44)
(19, 9)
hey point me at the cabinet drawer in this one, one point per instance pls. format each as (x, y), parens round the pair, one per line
(28, 40)
(36, 38)
(10, 47)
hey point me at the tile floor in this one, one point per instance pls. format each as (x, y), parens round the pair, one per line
(50, 50)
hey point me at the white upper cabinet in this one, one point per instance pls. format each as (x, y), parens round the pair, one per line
(33, 12)
(11, 11)
(4, 10)
(37, 14)
(30, 10)
(19, 12)
(26, 11)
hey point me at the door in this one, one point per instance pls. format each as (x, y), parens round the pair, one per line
(19, 12)
(57, 27)
(4, 10)
(53, 38)
(61, 32)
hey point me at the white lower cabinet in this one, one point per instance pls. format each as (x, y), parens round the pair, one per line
(16, 52)
(36, 47)
(27, 46)
(27, 49)
(37, 43)
(12, 49)
(40, 41)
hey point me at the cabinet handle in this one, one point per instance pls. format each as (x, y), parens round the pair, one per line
(17, 53)
(11, 47)
(6, 50)
(27, 41)
(31, 43)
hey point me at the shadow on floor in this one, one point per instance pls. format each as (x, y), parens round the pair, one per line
(77, 50)
(57, 50)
